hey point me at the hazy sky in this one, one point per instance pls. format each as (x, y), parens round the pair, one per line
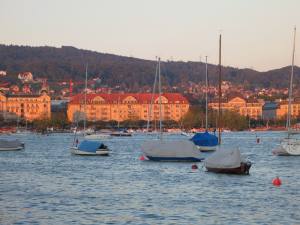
(256, 33)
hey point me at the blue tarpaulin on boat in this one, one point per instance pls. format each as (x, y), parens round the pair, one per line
(89, 146)
(205, 139)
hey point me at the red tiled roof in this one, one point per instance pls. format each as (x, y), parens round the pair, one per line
(144, 98)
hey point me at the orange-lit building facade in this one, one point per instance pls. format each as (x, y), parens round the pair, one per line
(120, 107)
(282, 110)
(24, 106)
(252, 108)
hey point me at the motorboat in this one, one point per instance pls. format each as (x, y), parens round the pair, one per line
(11, 145)
(205, 141)
(171, 150)
(227, 161)
(88, 147)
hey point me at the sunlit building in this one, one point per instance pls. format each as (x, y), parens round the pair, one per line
(250, 108)
(120, 107)
(25, 106)
(282, 109)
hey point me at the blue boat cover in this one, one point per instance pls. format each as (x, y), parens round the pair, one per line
(89, 146)
(205, 139)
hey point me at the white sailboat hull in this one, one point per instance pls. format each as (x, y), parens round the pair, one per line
(288, 147)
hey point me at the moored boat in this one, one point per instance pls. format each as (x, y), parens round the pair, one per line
(167, 150)
(98, 136)
(227, 161)
(205, 141)
(288, 146)
(11, 145)
(88, 147)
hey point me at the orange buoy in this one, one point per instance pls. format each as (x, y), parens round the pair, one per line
(194, 167)
(276, 181)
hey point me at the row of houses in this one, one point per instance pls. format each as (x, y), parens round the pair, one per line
(259, 109)
(95, 107)
(132, 106)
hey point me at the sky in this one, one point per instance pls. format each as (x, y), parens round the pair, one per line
(256, 34)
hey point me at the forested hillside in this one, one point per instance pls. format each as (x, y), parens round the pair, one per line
(68, 62)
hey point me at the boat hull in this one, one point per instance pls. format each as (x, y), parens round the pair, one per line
(97, 136)
(102, 152)
(288, 147)
(243, 169)
(175, 159)
(121, 134)
(207, 148)
(12, 149)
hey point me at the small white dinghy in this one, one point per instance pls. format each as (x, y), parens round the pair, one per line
(11, 145)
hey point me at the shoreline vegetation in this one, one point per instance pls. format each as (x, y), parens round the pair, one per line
(193, 121)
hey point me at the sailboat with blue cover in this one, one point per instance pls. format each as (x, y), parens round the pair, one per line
(205, 141)
(88, 147)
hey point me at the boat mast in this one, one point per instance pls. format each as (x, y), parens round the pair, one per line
(85, 90)
(220, 93)
(152, 98)
(206, 101)
(288, 124)
(160, 106)
(118, 113)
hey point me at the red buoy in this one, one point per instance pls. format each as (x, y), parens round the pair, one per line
(276, 181)
(194, 167)
(142, 158)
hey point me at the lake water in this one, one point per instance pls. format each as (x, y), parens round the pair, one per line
(45, 184)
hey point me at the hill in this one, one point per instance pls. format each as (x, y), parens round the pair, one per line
(67, 62)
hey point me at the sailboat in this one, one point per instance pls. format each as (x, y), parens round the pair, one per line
(22, 131)
(289, 145)
(225, 161)
(205, 141)
(88, 147)
(168, 150)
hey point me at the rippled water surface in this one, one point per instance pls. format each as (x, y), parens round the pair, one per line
(45, 184)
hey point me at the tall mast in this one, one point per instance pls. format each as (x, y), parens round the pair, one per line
(160, 106)
(152, 98)
(220, 93)
(119, 112)
(85, 90)
(288, 124)
(206, 101)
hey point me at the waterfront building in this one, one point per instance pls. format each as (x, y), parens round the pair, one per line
(25, 106)
(128, 106)
(251, 108)
(282, 109)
